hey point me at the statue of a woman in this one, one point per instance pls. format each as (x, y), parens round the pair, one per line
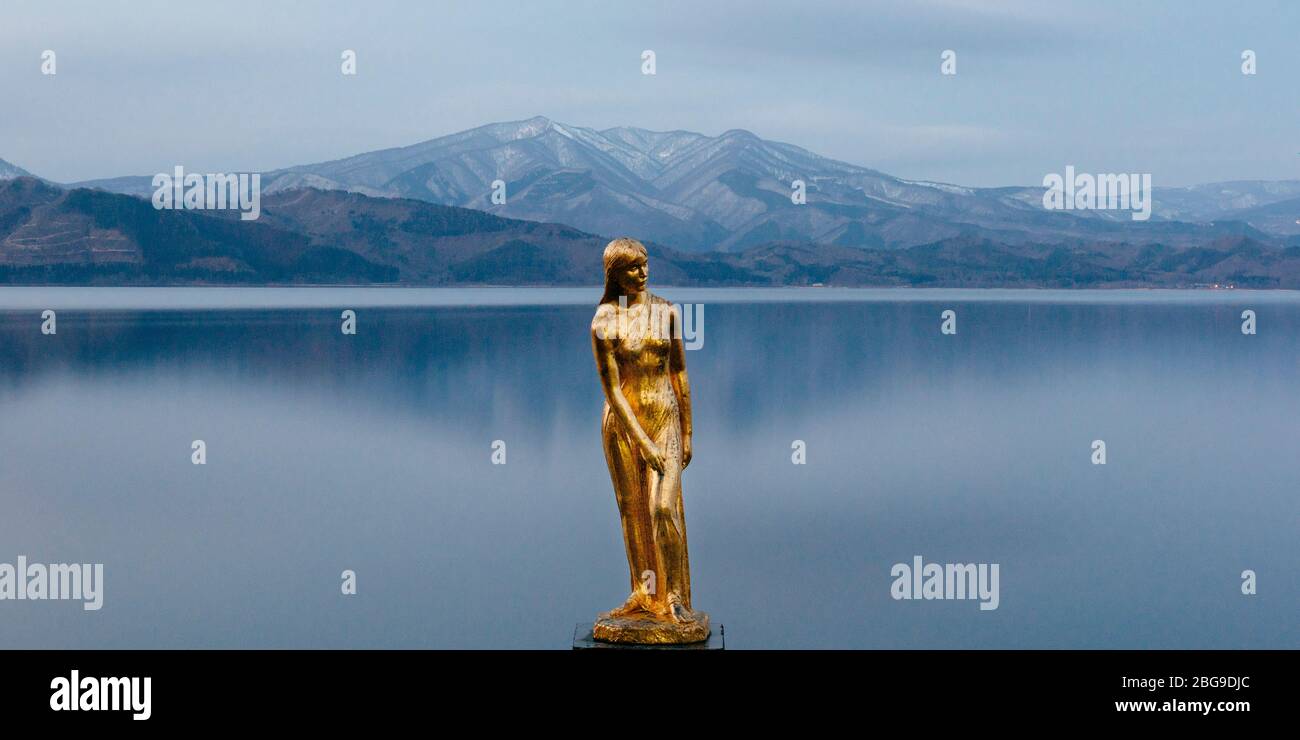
(646, 429)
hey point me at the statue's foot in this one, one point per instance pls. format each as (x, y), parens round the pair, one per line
(673, 625)
(635, 604)
(678, 611)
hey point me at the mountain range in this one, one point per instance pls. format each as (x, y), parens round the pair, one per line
(716, 210)
(726, 193)
(10, 171)
(80, 236)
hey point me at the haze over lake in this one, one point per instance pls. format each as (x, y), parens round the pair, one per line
(371, 453)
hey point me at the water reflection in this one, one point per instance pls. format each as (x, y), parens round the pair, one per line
(371, 452)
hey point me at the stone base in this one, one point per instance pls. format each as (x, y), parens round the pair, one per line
(645, 629)
(585, 639)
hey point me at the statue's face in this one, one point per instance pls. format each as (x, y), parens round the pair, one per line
(632, 278)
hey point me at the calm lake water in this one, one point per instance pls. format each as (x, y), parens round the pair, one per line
(372, 453)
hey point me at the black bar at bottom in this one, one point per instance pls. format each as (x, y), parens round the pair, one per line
(935, 688)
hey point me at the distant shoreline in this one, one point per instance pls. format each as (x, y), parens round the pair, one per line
(338, 298)
(597, 287)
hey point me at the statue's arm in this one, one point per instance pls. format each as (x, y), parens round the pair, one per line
(607, 366)
(681, 386)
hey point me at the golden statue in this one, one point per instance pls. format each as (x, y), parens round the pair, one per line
(646, 430)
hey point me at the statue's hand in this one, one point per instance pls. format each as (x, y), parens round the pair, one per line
(654, 457)
(686, 450)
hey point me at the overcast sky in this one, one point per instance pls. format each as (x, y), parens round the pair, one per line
(1105, 86)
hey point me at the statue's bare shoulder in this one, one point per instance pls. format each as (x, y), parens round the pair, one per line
(604, 324)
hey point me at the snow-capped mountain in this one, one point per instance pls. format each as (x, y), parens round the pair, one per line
(681, 188)
(10, 171)
(733, 191)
